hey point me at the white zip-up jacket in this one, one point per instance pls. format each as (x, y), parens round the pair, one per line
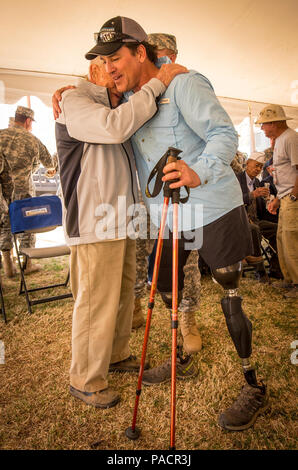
(96, 162)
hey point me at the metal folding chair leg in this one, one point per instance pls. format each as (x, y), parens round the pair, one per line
(2, 308)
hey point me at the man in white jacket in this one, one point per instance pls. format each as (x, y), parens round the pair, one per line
(98, 183)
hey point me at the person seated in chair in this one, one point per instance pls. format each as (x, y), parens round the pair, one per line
(255, 195)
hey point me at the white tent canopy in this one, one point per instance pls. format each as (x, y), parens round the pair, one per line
(248, 49)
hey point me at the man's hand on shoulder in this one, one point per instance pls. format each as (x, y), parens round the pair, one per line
(57, 96)
(167, 72)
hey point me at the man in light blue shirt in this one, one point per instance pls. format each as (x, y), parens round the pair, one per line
(191, 119)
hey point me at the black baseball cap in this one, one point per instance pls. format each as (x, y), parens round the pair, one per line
(114, 34)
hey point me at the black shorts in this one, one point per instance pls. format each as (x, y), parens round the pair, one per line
(226, 241)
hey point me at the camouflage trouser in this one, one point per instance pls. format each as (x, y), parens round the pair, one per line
(144, 247)
(192, 284)
(192, 281)
(143, 250)
(26, 240)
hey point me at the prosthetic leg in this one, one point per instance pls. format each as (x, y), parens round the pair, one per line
(253, 397)
(238, 324)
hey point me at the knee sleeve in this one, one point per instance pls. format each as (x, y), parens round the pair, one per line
(229, 276)
(167, 298)
(238, 324)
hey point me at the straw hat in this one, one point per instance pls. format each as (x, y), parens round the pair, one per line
(272, 112)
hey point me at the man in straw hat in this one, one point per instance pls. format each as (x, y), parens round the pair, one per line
(273, 122)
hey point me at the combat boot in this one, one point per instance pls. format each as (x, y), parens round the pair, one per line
(137, 317)
(10, 269)
(192, 341)
(32, 268)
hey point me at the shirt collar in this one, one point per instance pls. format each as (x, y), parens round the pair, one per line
(249, 181)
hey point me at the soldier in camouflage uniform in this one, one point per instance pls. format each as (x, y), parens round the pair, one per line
(23, 152)
(166, 46)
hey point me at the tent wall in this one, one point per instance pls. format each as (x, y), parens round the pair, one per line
(248, 49)
(17, 84)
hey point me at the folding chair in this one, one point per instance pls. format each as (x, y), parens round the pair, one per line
(36, 215)
(267, 250)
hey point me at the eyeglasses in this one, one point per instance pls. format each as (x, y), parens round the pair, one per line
(111, 36)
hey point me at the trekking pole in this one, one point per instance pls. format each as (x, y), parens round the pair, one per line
(174, 317)
(175, 196)
(133, 432)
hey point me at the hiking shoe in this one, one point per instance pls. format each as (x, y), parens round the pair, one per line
(251, 402)
(131, 364)
(102, 399)
(185, 369)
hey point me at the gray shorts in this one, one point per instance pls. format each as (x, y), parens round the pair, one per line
(226, 241)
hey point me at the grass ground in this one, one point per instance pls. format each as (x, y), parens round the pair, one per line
(37, 412)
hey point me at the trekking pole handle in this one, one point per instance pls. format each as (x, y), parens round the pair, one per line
(173, 193)
(173, 154)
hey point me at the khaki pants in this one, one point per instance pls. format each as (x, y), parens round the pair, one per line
(102, 282)
(287, 239)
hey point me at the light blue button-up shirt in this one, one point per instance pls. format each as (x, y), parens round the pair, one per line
(191, 119)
